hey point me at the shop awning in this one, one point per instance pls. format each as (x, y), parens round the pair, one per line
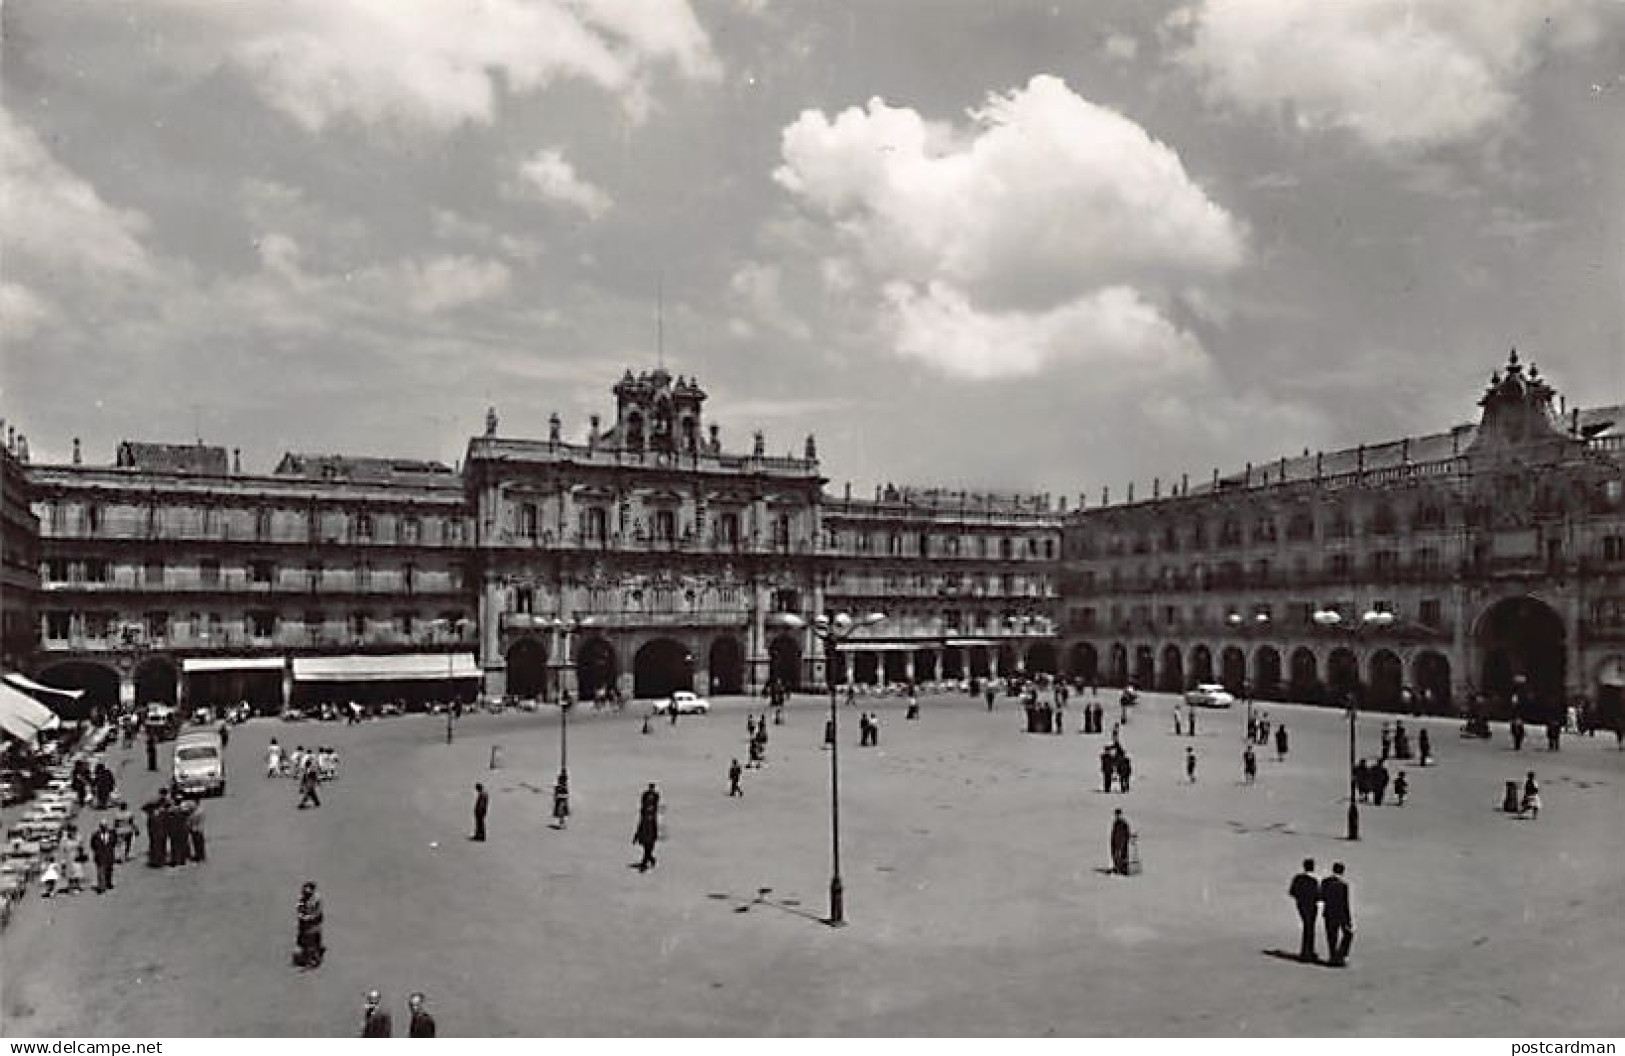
(410, 667)
(861, 646)
(22, 716)
(970, 643)
(49, 693)
(203, 664)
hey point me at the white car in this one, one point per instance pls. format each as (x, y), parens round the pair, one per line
(685, 702)
(1209, 695)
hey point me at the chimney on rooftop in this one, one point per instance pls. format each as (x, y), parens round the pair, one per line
(22, 448)
(76, 458)
(237, 460)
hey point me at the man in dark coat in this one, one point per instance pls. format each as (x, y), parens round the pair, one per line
(154, 809)
(104, 851)
(1280, 741)
(175, 827)
(1515, 727)
(375, 1022)
(1125, 769)
(734, 773)
(1334, 893)
(152, 752)
(422, 1024)
(1305, 893)
(648, 830)
(101, 785)
(309, 917)
(482, 803)
(1378, 776)
(1120, 841)
(1108, 768)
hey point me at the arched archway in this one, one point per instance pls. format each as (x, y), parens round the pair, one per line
(527, 669)
(784, 661)
(1119, 664)
(1233, 669)
(980, 666)
(1172, 677)
(1267, 673)
(1430, 674)
(1387, 677)
(1304, 681)
(1521, 642)
(726, 663)
(1201, 664)
(1145, 667)
(925, 665)
(661, 668)
(156, 682)
(1342, 673)
(866, 668)
(953, 663)
(1084, 662)
(895, 666)
(99, 682)
(1041, 658)
(1007, 660)
(596, 668)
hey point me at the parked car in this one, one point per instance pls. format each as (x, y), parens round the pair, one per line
(292, 714)
(1209, 695)
(685, 702)
(200, 764)
(162, 721)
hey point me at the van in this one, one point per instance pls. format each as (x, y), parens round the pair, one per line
(200, 764)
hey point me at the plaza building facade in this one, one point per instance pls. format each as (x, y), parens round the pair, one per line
(1484, 561)
(19, 554)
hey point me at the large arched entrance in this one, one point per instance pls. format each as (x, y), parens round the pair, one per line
(1083, 662)
(1267, 673)
(1304, 681)
(1521, 642)
(1201, 664)
(661, 668)
(1342, 674)
(1387, 679)
(784, 661)
(866, 668)
(1145, 667)
(1233, 669)
(1041, 658)
(726, 664)
(1610, 701)
(1119, 664)
(596, 668)
(1172, 677)
(1430, 674)
(156, 682)
(527, 669)
(99, 683)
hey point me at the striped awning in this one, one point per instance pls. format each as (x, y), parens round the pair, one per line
(407, 667)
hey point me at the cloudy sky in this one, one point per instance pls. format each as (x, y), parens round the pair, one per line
(981, 243)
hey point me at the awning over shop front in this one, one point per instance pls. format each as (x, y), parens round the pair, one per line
(410, 667)
(202, 664)
(41, 692)
(970, 643)
(23, 717)
(861, 646)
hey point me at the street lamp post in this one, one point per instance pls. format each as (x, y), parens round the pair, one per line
(832, 631)
(1332, 619)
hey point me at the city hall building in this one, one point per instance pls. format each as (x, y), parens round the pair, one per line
(1488, 559)
(638, 559)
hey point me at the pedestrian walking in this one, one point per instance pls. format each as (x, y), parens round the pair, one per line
(1515, 728)
(1108, 769)
(1305, 894)
(308, 782)
(1120, 838)
(648, 830)
(1249, 765)
(1402, 785)
(1190, 722)
(419, 1023)
(1387, 742)
(155, 810)
(1179, 730)
(308, 918)
(1531, 798)
(375, 1021)
(180, 841)
(124, 828)
(1554, 735)
(561, 800)
(194, 831)
(104, 850)
(1125, 769)
(734, 772)
(482, 803)
(1190, 765)
(1334, 896)
(152, 752)
(1424, 747)
(273, 759)
(451, 720)
(829, 733)
(1280, 742)
(1378, 776)
(101, 786)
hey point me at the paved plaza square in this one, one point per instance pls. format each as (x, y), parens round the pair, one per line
(974, 857)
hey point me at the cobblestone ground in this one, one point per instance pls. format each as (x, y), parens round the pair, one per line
(973, 857)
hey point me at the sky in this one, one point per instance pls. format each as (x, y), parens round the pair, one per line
(1039, 246)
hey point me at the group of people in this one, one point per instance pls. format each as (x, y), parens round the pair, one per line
(64, 872)
(376, 1022)
(1094, 717)
(1115, 764)
(324, 760)
(756, 740)
(1328, 898)
(175, 834)
(1526, 804)
(97, 785)
(1371, 783)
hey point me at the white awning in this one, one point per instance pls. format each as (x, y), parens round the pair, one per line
(201, 664)
(28, 685)
(22, 716)
(861, 646)
(409, 667)
(968, 643)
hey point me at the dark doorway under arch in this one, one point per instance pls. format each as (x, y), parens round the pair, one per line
(1119, 664)
(953, 663)
(661, 668)
(596, 669)
(1521, 641)
(1267, 673)
(925, 665)
(1387, 679)
(1430, 676)
(1342, 674)
(726, 663)
(784, 661)
(1233, 668)
(866, 668)
(99, 683)
(1304, 683)
(1172, 677)
(1083, 662)
(527, 669)
(1145, 667)
(1201, 664)
(156, 682)
(1041, 658)
(980, 665)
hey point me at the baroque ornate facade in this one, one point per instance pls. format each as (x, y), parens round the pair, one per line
(1489, 560)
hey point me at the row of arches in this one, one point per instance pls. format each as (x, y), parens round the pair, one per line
(1267, 674)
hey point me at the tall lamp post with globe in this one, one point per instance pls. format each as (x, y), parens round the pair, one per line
(832, 631)
(1373, 620)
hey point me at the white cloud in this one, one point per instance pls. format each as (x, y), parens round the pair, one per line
(1121, 47)
(443, 283)
(549, 176)
(22, 312)
(53, 220)
(437, 64)
(1046, 230)
(1402, 75)
(760, 287)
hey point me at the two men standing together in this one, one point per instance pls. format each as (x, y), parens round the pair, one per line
(1310, 895)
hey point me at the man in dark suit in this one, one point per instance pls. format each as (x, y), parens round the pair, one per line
(1305, 892)
(482, 803)
(1334, 894)
(103, 849)
(375, 1022)
(1120, 842)
(422, 1024)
